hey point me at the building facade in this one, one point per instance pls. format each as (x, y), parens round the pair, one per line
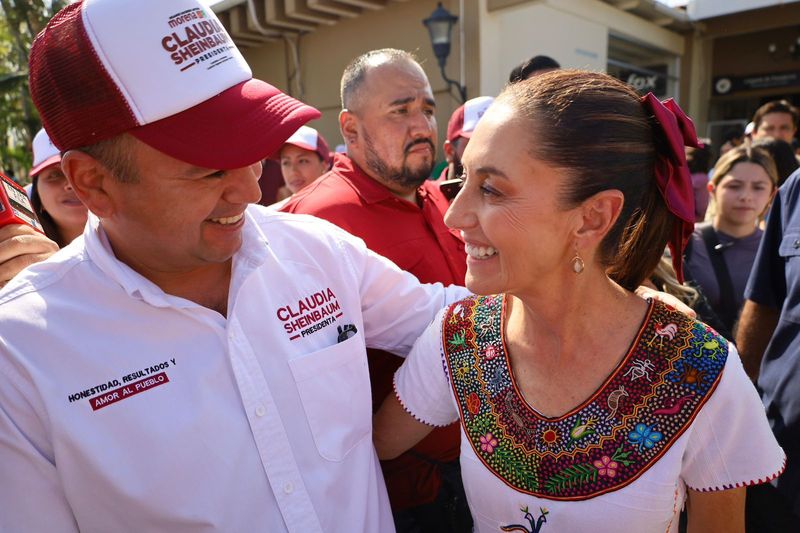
(720, 59)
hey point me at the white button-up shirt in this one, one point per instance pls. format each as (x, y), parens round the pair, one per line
(123, 408)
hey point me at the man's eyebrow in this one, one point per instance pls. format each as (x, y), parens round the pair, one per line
(401, 101)
(196, 171)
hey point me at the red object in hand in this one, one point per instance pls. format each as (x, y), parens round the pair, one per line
(15, 206)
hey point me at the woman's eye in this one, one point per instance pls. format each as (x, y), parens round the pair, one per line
(488, 191)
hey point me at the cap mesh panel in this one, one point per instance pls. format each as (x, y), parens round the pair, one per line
(78, 102)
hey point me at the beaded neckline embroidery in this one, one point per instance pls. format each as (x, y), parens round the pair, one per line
(606, 443)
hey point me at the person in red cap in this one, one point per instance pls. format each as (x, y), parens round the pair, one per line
(304, 157)
(59, 211)
(459, 130)
(61, 214)
(193, 362)
(380, 192)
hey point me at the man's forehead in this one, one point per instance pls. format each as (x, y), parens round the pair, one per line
(396, 79)
(778, 116)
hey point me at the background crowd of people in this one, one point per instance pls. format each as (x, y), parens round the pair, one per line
(241, 351)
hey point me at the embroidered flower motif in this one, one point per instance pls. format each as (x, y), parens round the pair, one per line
(644, 436)
(488, 443)
(490, 352)
(473, 403)
(606, 467)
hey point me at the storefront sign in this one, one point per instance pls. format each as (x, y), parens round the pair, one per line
(724, 85)
(649, 79)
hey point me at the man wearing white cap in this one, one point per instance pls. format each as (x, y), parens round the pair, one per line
(459, 130)
(304, 157)
(194, 363)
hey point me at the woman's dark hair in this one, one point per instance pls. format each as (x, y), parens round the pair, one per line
(783, 155)
(595, 128)
(48, 224)
(699, 159)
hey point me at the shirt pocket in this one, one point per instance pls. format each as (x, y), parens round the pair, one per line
(334, 389)
(790, 244)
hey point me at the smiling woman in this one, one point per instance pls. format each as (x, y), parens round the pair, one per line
(575, 397)
(62, 215)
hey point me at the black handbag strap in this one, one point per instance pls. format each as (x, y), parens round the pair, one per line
(726, 311)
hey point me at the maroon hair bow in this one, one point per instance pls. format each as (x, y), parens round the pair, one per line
(672, 172)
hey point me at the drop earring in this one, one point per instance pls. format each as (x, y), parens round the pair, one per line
(577, 262)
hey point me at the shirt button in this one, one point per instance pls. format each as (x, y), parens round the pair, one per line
(261, 411)
(797, 244)
(288, 488)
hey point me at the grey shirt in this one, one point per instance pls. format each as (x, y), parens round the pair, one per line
(739, 255)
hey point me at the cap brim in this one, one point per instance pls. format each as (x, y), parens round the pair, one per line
(236, 128)
(49, 162)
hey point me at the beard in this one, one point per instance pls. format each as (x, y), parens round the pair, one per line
(405, 176)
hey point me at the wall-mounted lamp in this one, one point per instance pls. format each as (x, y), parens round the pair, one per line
(439, 25)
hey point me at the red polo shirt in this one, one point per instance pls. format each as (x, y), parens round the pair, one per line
(415, 237)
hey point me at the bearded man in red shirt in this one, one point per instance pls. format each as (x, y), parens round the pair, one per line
(380, 192)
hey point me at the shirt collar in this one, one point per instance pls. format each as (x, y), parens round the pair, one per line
(252, 254)
(369, 189)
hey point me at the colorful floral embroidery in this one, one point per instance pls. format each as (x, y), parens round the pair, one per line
(473, 403)
(606, 467)
(641, 410)
(644, 436)
(488, 443)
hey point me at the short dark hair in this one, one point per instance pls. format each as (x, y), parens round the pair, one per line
(776, 106)
(524, 70)
(782, 154)
(45, 219)
(115, 155)
(595, 128)
(699, 159)
(355, 72)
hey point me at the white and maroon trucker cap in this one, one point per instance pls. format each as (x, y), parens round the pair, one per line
(45, 154)
(310, 139)
(165, 71)
(464, 119)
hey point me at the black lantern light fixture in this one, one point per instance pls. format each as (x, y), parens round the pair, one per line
(439, 25)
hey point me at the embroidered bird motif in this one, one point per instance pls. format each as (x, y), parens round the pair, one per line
(669, 331)
(613, 401)
(675, 405)
(458, 314)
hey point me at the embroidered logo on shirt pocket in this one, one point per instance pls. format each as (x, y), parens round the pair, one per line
(334, 388)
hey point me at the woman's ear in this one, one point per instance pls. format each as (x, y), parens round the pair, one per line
(599, 213)
(89, 179)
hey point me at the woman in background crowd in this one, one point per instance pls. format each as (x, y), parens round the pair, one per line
(304, 157)
(60, 212)
(582, 406)
(722, 252)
